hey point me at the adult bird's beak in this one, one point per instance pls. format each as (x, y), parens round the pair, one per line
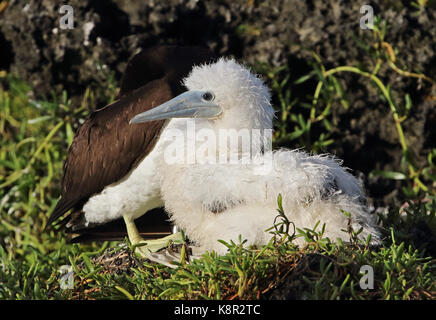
(190, 104)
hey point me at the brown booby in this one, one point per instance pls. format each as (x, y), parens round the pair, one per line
(109, 172)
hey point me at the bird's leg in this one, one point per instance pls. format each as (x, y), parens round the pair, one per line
(167, 257)
(146, 247)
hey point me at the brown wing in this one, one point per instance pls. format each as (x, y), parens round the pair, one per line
(106, 147)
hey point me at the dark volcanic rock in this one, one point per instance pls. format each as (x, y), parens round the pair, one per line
(52, 59)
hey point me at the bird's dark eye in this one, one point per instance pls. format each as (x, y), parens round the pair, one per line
(207, 96)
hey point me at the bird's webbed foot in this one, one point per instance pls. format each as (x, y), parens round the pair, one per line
(146, 247)
(174, 255)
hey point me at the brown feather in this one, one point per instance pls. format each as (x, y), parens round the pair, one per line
(172, 62)
(106, 147)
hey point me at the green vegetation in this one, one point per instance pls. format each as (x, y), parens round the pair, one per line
(35, 135)
(299, 118)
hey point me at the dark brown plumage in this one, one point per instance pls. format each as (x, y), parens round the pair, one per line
(106, 147)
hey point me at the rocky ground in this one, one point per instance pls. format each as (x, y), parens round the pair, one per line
(277, 32)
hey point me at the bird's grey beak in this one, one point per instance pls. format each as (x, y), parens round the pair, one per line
(190, 104)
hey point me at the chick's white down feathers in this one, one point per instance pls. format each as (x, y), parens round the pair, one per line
(222, 201)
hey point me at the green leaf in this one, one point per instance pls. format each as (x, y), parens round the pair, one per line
(388, 175)
(39, 119)
(408, 105)
(70, 133)
(304, 78)
(125, 292)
